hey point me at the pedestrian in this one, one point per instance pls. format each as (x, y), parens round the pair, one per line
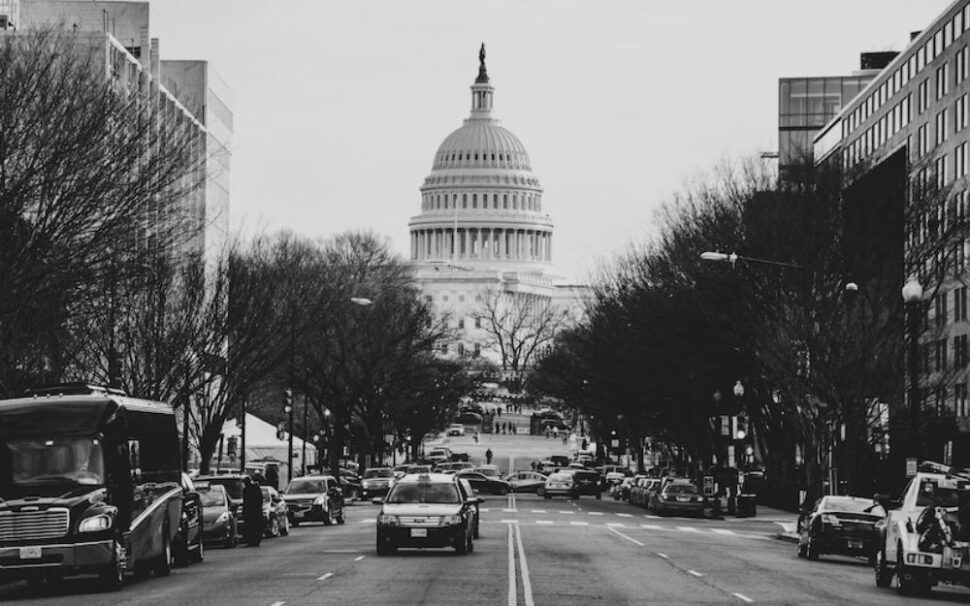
(488, 456)
(273, 476)
(476, 437)
(499, 410)
(496, 427)
(252, 512)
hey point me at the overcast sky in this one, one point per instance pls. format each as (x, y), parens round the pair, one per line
(339, 106)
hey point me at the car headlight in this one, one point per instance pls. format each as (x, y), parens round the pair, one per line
(320, 500)
(95, 523)
(223, 518)
(830, 519)
(451, 520)
(388, 520)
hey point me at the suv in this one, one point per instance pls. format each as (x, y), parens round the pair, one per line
(427, 510)
(314, 498)
(586, 482)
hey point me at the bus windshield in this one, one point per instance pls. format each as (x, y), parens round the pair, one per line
(77, 460)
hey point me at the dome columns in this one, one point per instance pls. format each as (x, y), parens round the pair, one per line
(482, 243)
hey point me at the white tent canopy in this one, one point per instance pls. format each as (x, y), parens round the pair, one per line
(262, 444)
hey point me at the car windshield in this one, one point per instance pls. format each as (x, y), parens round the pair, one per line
(424, 493)
(212, 497)
(851, 506)
(681, 489)
(931, 494)
(306, 487)
(382, 472)
(77, 460)
(233, 487)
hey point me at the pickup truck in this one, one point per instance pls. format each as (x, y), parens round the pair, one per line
(925, 538)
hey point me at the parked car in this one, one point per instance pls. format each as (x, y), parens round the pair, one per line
(469, 494)
(317, 498)
(426, 510)
(187, 546)
(491, 471)
(841, 525)
(677, 497)
(526, 481)
(275, 513)
(620, 491)
(560, 460)
(559, 484)
(234, 488)
(457, 429)
(586, 482)
(482, 483)
(442, 454)
(376, 482)
(218, 521)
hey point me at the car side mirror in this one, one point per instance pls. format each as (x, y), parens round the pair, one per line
(479, 500)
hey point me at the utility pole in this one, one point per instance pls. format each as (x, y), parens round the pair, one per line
(288, 409)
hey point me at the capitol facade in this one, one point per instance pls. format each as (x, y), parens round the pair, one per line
(482, 245)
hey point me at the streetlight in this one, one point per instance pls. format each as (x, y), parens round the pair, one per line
(733, 258)
(912, 298)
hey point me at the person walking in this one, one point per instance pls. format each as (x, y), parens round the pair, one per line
(488, 456)
(252, 512)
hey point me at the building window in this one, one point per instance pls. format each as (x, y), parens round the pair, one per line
(941, 132)
(461, 298)
(941, 355)
(960, 400)
(960, 351)
(444, 349)
(478, 322)
(940, 172)
(960, 66)
(960, 304)
(478, 350)
(428, 298)
(960, 160)
(940, 308)
(942, 80)
(924, 96)
(461, 349)
(922, 141)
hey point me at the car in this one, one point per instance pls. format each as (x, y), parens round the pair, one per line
(439, 455)
(677, 497)
(483, 483)
(376, 482)
(843, 525)
(314, 498)
(427, 510)
(559, 484)
(620, 491)
(560, 460)
(527, 481)
(414, 469)
(275, 513)
(218, 521)
(350, 484)
(491, 471)
(548, 466)
(234, 488)
(469, 493)
(586, 482)
(187, 546)
(453, 466)
(469, 418)
(640, 494)
(456, 429)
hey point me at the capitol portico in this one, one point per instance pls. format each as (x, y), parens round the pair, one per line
(482, 231)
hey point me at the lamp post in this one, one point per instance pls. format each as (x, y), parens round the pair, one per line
(912, 298)
(288, 409)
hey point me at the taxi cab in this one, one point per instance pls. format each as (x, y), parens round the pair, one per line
(426, 510)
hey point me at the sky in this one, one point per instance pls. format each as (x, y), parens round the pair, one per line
(340, 105)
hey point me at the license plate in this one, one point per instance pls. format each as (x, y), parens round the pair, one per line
(298, 515)
(419, 532)
(683, 499)
(29, 553)
(855, 544)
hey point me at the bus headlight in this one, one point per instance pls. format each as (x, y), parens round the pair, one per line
(95, 523)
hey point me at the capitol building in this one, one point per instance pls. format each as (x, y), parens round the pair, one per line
(482, 245)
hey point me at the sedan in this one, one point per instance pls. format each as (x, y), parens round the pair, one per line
(841, 525)
(681, 498)
(376, 482)
(527, 481)
(219, 522)
(483, 483)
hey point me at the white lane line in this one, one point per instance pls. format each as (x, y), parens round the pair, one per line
(631, 539)
(580, 523)
(743, 598)
(508, 521)
(325, 577)
(595, 513)
(341, 551)
(625, 515)
(513, 597)
(359, 558)
(651, 527)
(663, 555)
(695, 573)
(367, 522)
(506, 510)
(299, 574)
(277, 604)
(652, 517)
(723, 531)
(568, 513)
(524, 567)
(544, 522)
(687, 529)
(538, 511)
(484, 509)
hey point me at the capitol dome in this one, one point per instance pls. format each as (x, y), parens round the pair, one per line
(481, 203)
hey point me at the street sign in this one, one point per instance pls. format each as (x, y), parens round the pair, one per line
(708, 486)
(910, 467)
(615, 443)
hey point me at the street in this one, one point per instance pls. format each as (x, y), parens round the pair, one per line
(531, 551)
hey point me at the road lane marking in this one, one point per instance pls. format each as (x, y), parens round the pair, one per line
(687, 528)
(325, 577)
(595, 513)
(580, 523)
(277, 604)
(652, 517)
(631, 539)
(651, 527)
(506, 510)
(545, 522)
(538, 511)
(723, 531)
(663, 555)
(513, 597)
(508, 521)
(625, 515)
(695, 573)
(743, 598)
(359, 558)
(568, 513)
(524, 567)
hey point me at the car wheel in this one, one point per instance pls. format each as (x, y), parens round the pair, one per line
(327, 518)
(461, 545)
(811, 550)
(884, 576)
(163, 565)
(800, 548)
(232, 538)
(475, 531)
(909, 582)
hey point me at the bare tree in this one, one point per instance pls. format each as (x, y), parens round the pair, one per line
(520, 326)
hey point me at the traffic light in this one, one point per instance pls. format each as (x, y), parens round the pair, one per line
(288, 401)
(741, 427)
(231, 447)
(281, 430)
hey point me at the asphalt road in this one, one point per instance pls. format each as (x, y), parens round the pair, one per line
(531, 551)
